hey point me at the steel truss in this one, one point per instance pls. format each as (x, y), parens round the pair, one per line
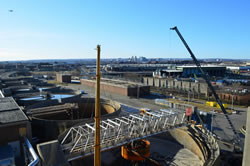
(121, 130)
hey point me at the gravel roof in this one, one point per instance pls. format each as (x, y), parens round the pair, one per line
(10, 112)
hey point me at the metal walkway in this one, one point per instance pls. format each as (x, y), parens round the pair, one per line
(79, 141)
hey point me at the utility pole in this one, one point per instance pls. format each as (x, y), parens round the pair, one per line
(97, 150)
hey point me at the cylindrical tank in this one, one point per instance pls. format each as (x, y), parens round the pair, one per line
(49, 126)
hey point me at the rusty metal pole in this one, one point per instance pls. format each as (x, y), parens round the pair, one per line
(97, 151)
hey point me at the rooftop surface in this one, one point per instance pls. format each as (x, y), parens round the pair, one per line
(10, 112)
(194, 66)
(171, 70)
(119, 83)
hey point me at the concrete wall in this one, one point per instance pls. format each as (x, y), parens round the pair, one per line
(149, 81)
(157, 83)
(186, 85)
(204, 146)
(179, 85)
(204, 89)
(163, 83)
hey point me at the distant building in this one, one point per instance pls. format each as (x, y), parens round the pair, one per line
(20, 66)
(167, 73)
(31, 67)
(45, 67)
(8, 66)
(63, 78)
(239, 69)
(235, 98)
(183, 86)
(124, 88)
(134, 67)
(142, 59)
(190, 71)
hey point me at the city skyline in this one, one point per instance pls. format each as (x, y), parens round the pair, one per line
(72, 29)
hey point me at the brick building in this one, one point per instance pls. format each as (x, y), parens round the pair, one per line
(240, 99)
(119, 87)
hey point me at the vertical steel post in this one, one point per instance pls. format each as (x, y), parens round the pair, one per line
(97, 151)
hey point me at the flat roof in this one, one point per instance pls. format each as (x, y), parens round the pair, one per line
(63, 74)
(193, 66)
(119, 83)
(173, 71)
(10, 112)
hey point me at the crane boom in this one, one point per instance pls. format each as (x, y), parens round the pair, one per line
(207, 79)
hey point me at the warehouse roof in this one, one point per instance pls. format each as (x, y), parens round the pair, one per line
(10, 112)
(203, 66)
(119, 83)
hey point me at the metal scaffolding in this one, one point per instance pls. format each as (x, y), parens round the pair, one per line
(118, 131)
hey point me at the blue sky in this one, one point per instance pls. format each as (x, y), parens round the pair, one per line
(65, 29)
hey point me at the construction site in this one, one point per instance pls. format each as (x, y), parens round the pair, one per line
(124, 111)
(54, 124)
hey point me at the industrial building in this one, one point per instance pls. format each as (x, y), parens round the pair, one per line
(190, 71)
(239, 69)
(14, 125)
(134, 67)
(63, 78)
(119, 87)
(182, 85)
(239, 98)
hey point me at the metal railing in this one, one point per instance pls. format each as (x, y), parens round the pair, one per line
(118, 131)
(32, 152)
